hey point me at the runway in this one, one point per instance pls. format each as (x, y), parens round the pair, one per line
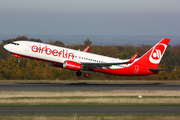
(88, 87)
(85, 86)
(88, 110)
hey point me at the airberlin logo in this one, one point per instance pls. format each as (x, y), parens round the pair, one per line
(157, 53)
(48, 51)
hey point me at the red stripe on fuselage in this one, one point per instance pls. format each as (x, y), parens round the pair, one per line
(128, 71)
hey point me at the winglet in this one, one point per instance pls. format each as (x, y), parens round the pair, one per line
(133, 58)
(86, 49)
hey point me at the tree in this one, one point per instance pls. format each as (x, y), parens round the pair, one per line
(21, 38)
(35, 40)
(97, 49)
(7, 41)
(175, 75)
(87, 42)
(59, 43)
(32, 69)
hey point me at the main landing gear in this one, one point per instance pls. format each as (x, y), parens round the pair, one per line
(86, 74)
(79, 73)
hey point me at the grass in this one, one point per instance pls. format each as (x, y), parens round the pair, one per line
(90, 81)
(116, 93)
(90, 98)
(93, 117)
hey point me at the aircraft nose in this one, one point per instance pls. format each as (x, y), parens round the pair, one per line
(7, 47)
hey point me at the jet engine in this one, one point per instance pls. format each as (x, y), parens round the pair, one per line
(72, 65)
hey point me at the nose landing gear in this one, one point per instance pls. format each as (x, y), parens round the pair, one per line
(19, 60)
(17, 56)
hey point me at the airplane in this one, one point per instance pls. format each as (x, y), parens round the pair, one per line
(83, 60)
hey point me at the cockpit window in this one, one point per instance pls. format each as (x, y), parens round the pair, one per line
(15, 43)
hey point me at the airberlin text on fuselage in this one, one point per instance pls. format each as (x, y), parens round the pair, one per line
(48, 51)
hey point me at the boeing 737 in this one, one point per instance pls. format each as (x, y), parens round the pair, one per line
(82, 60)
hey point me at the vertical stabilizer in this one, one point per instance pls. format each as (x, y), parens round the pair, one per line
(153, 57)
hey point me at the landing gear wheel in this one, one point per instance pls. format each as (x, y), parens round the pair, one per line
(86, 75)
(78, 73)
(18, 60)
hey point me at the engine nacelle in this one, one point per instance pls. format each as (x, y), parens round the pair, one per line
(72, 65)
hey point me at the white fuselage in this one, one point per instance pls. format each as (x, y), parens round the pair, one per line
(58, 54)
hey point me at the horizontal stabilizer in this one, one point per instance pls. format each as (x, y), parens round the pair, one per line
(152, 69)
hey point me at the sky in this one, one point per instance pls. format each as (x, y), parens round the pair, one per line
(90, 17)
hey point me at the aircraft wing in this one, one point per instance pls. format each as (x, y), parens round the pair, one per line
(106, 65)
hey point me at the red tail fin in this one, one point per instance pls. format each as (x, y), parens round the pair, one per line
(153, 57)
